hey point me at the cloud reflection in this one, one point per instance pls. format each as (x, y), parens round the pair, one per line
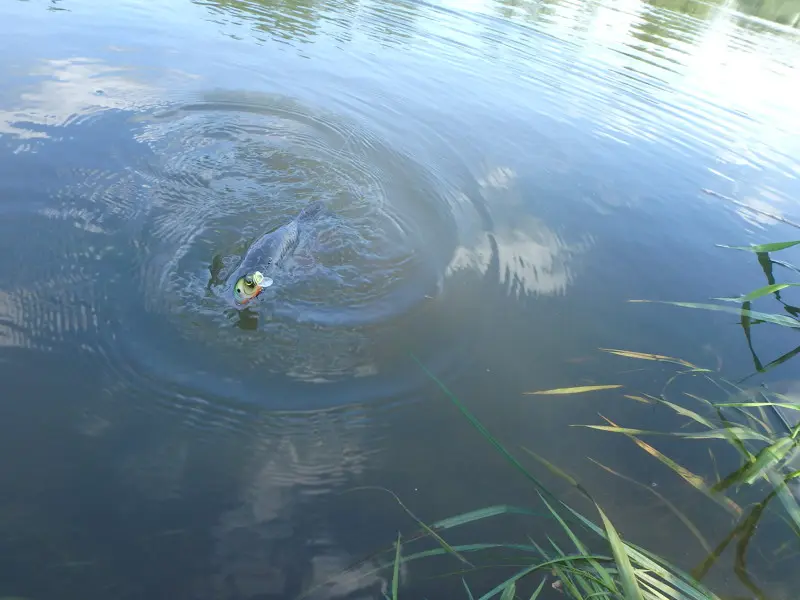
(263, 543)
(72, 89)
(529, 256)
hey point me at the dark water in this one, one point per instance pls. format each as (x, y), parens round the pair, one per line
(501, 176)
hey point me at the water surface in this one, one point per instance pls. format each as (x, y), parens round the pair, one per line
(500, 178)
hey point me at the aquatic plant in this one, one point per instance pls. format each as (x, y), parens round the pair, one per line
(760, 425)
(599, 563)
(756, 424)
(622, 570)
(749, 317)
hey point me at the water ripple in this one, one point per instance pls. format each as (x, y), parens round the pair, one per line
(140, 250)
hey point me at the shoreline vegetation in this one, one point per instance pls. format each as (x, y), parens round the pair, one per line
(759, 426)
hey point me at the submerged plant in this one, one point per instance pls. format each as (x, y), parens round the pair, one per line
(616, 570)
(749, 317)
(598, 563)
(752, 423)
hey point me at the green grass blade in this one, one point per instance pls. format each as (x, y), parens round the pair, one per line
(700, 398)
(526, 571)
(482, 430)
(509, 592)
(692, 479)
(627, 577)
(787, 498)
(714, 465)
(567, 582)
(652, 592)
(697, 371)
(683, 518)
(600, 594)
(534, 549)
(537, 591)
(673, 575)
(774, 247)
(643, 399)
(560, 472)
(396, 572)
(768, 458)
(688, 413)
(485, 513)
(591, 583)
(789, 405)
(760, 292)
(575, 576)
(733, 436)
(606, 578)
(477, 548)
(649, 356)
(421, 523)
(469, 591)
(781, 320)
(715, 434)
(657, 587)
(573, 390)
(765, 459)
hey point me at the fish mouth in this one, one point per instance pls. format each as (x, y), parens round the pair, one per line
(242, 300)
(247, 288)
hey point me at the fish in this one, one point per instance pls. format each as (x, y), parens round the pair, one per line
(269, 251)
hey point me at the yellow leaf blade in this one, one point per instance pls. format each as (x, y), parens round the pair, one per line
(574, 390)
(649, 356)
(692, 479)
(641, 399)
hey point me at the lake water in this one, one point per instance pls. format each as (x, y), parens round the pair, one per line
(499, 177)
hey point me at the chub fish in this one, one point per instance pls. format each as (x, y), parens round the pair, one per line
(268, 252)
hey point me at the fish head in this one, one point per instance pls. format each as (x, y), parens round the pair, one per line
(249, 286)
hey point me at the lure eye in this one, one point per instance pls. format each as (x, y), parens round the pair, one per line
(248, 280)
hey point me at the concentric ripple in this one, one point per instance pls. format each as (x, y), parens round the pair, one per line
(195, 185)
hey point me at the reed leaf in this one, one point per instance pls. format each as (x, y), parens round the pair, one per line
(760, 292)
(671, 575)
(574, 390)
(469, 591)
(629, 584)
(692, 479)
(485, 513)
(767, 458)
(781, 320)
(396, 572)
(607, 581)
(481, 429)
(773, 247)
(789, 405)
(509, 591)
(642, 399)
(537, 591)
(422, 524)
(649, 356)
(560, 472)
(683, 518)
(746, 433)
(687, 413)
